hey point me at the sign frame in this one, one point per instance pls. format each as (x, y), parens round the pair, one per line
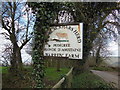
(63, 35)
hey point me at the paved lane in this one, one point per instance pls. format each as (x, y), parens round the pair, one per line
(110, 77)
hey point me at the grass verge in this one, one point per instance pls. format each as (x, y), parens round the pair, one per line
(89, 80)
(103, 68)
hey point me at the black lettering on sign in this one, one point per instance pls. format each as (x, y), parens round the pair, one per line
(47, 54)
(61, 45)
(77, 55)
(50, 49)
(58, 49)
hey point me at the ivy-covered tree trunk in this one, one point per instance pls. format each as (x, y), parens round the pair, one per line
(38, 61)
(42, 29)
(38, 57)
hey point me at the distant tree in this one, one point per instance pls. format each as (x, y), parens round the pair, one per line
(110, 32)
(6, 55)
(17, 20)
(93, 15)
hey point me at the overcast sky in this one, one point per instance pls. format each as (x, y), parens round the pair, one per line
(113, 48)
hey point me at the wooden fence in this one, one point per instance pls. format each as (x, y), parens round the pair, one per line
(66, 81)
(64, 62)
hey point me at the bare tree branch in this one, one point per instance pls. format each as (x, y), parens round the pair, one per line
(4, 26)
(114, 23)
(24, 43)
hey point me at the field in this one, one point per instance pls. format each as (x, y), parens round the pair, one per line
(113, 61)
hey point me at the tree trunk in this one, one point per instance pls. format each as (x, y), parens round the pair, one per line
(16, 60)
(81, 65)
(78, 67)
(98, 55)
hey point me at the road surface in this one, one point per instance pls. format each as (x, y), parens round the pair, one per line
(110, 77)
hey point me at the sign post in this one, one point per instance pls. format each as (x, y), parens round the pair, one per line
(65, 41)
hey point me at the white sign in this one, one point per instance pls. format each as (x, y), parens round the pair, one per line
(65, 41)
